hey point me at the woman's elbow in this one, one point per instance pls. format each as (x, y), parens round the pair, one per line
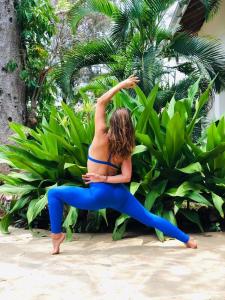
(100, 100)
(127, 178)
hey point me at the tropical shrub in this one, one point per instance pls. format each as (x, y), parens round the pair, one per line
(53, 154)
(171, 172)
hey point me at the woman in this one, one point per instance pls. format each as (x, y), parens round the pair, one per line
(110, 151)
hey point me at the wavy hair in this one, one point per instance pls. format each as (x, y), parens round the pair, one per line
(121, 133)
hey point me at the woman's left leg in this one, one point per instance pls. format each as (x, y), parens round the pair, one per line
(132, 207)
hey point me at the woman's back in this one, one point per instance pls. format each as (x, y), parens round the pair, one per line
(99, 151)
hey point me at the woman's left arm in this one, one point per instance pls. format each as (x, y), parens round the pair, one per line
(130, 82)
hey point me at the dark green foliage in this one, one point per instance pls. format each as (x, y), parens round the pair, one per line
(140, 43)
(170, 169)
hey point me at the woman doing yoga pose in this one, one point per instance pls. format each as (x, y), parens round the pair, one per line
(109, 152)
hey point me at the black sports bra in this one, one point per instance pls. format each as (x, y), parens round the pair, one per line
(103, 162)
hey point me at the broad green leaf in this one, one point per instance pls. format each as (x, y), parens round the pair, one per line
(155, 125)
(174, 138)
(102, 212)
(16, 190)
(159, 233)
(152, 97)
(141, 96)
(25, 176)
(218, 203)
(182, 190)
(69, 221)
(8, 179)
(19, 129)
(192, 91)
(68, 165)
(212, 154)
(120, 226)
(74, 169)
(192, 216)
(169, 215)
(177, 205)
(199, 104)
(4, 223)
(181, 109)
(35, 207)
(198, 198)
(139, 149)
(192, 168)
(148, 114)
(165, 118)
(221, 128)
(154, 193)
(144, 138)
(134, 187)
(19, 203)
(213, 137)
(148, 177)
(170, 109)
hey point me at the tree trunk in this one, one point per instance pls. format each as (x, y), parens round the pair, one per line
(12, 89)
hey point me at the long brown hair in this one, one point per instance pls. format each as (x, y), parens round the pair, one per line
(121, 133)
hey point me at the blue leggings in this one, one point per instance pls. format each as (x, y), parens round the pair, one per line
(106, 195)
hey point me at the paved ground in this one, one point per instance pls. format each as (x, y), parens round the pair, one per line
(95, 267)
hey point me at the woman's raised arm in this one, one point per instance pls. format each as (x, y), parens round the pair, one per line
(128, 83)
(100, 119)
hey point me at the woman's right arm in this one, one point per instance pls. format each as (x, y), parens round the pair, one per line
(125, 176)
(126, 173)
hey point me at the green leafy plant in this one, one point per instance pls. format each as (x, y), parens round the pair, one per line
(42, 158)
(37, 21)
(174, 173)
(171, 173)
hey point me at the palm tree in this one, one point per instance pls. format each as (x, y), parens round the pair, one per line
(139, 42)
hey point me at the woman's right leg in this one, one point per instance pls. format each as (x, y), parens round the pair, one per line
(78, 197)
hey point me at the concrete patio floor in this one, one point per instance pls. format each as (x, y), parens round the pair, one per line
(95, 267)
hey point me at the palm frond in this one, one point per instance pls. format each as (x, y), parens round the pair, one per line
(133, 17)
(120, 27)
(85, 8)
(207, 54)
(211, 8)
(100, 84)
(163, 34)
(82, 55)
(157, 7)
(151, 67)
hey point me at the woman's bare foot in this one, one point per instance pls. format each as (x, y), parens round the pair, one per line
(191, 244)
(57, 239)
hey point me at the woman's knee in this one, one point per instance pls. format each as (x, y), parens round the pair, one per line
(52, 193)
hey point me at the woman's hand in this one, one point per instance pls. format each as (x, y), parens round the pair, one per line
(93, 177)
(130, 82)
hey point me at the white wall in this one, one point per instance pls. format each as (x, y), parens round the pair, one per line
(216, 28)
